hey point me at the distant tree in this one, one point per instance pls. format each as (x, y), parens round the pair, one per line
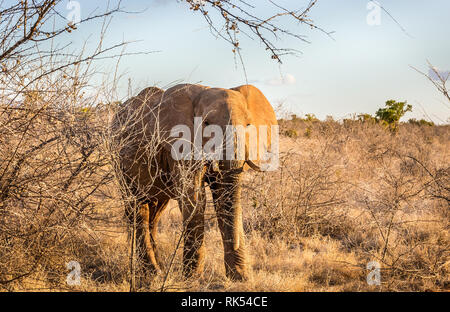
(421, 122)
(367, 118)
(311, 118)
(392, 112)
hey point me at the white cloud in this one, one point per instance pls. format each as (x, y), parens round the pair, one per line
(286, 80)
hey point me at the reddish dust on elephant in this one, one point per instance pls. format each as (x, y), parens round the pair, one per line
(153, 177)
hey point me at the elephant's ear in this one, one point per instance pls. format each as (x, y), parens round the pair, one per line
(177, 109)
(261, 114)
(258, 106)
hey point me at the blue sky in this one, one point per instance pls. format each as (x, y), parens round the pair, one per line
(356, 72)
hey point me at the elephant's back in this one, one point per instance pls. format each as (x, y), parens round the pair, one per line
(136, 108)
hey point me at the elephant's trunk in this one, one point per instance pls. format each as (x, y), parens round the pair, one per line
(226, 192)
(253, 165)
(230, 211)
(230, 222)
(236, 215)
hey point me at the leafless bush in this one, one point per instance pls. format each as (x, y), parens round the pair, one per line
(304, 198)
(233, 17)
(53, 173)
(381, 197)
(438, 79)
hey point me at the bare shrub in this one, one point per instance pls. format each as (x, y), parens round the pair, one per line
(380, 197)
(53, 173)
(302, 199)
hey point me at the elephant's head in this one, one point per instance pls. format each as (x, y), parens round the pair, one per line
(242, 114)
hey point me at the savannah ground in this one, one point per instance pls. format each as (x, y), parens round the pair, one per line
(347, 193)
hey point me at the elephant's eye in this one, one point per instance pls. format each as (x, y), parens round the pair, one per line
(206, 123)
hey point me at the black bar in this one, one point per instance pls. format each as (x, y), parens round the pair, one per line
(221, 301)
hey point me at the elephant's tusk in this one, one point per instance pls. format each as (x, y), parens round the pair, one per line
(236, 241)
(253, 165)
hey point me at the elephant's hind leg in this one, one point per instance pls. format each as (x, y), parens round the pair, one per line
(147, 221)
(156, 210)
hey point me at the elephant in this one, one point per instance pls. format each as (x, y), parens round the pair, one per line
(143, 127)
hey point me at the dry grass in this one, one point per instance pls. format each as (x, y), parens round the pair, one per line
(346, 194)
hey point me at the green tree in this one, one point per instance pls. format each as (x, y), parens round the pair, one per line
(367, 118)
(392, 112)
(421, 122)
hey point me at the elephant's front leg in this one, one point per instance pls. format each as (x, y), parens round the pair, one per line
(192, 206)
(226, 192)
